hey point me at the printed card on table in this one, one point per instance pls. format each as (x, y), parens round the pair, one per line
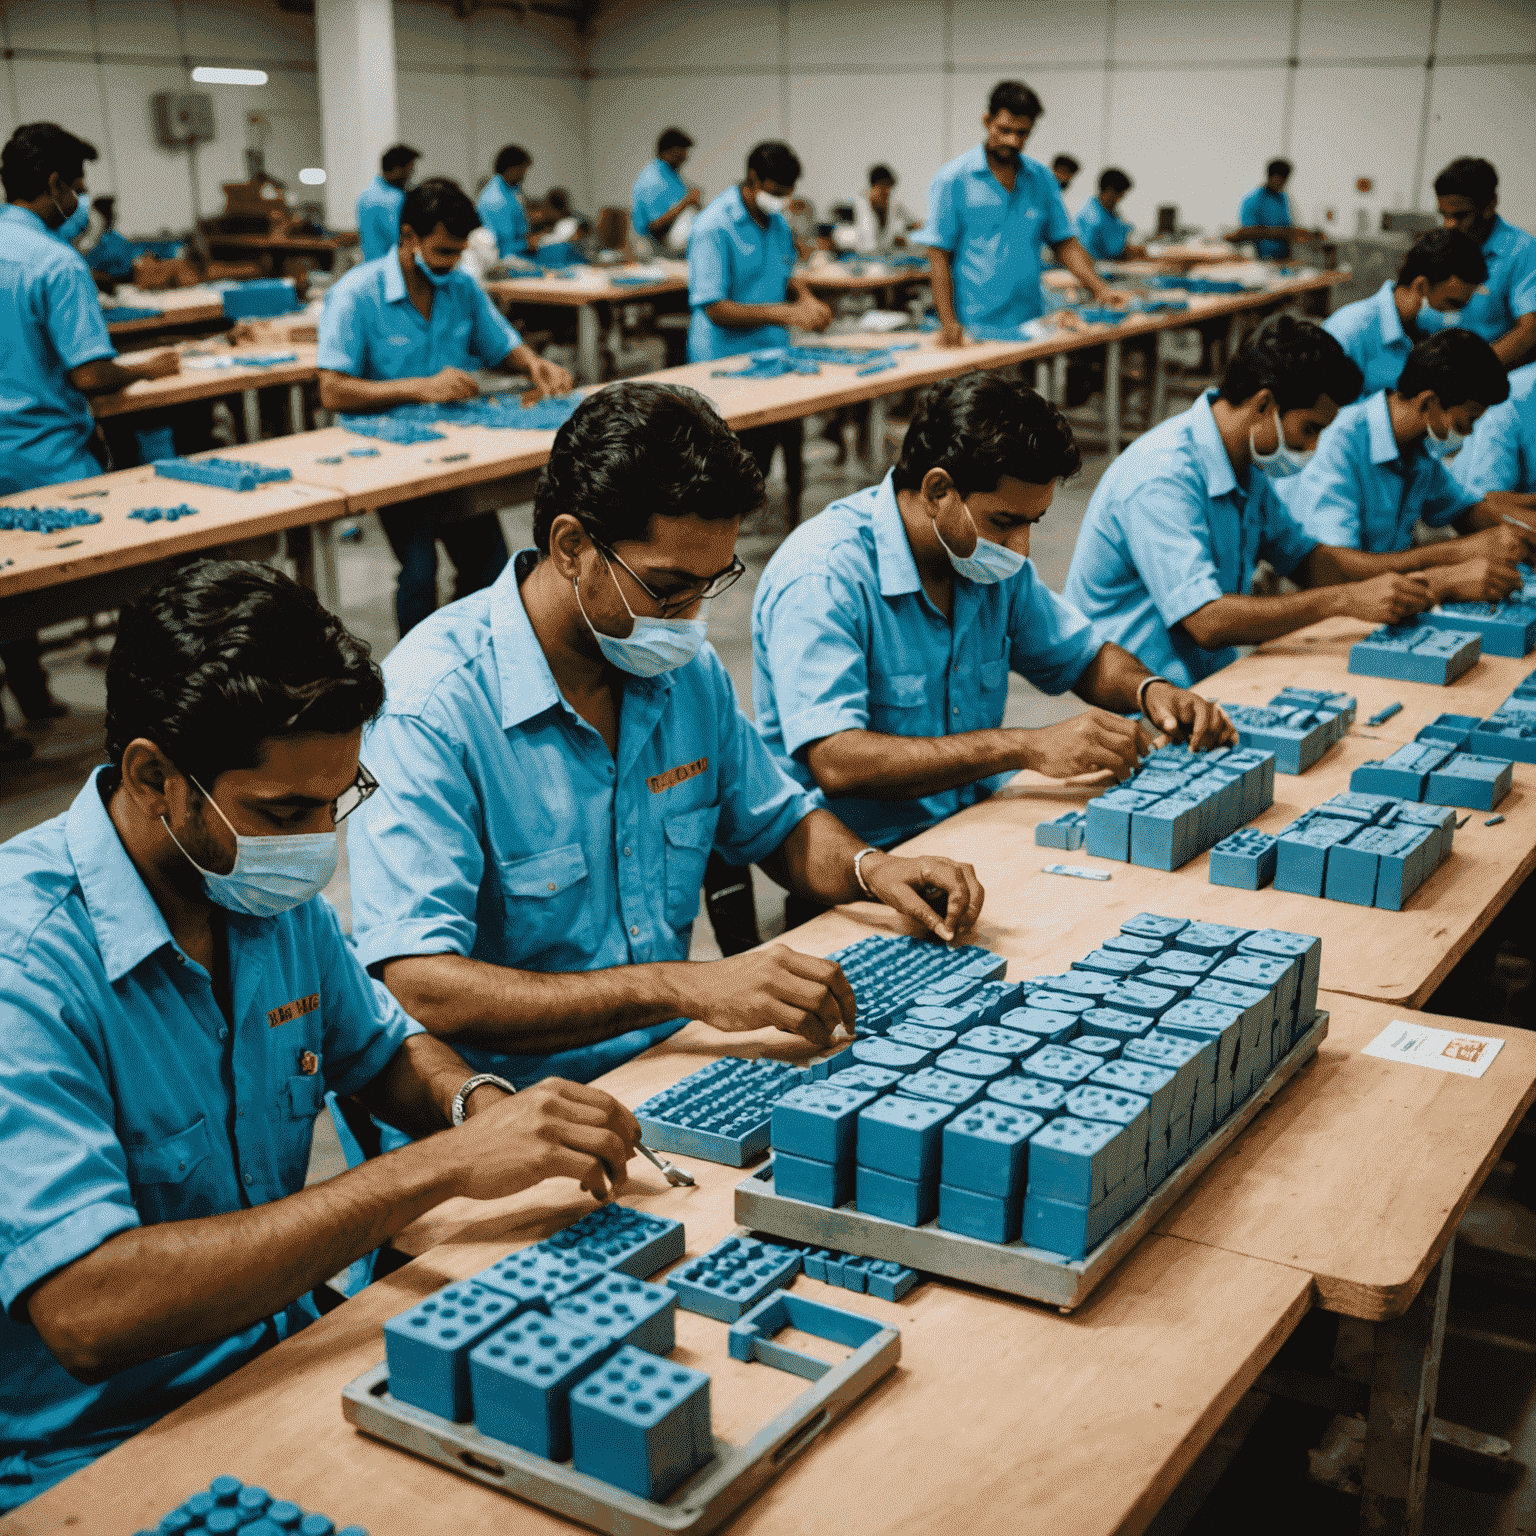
(1444, 1050)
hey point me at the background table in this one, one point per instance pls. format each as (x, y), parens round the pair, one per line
(177, 306)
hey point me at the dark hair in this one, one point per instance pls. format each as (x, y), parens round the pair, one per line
(438, 201)
(980, 427)
(34, 152)
(774, 160)
(1015, 97)
(510, 156)
(1296, 361)
(106, 206)
(558, 199)
(222, 655)
(1475, 180)
(881, 174)
(1114, 180)
(672, 138)
(1443, 254)
(398, 155)
(636, 451)
(1066, 163)
(1459, 366)
(1278, 168)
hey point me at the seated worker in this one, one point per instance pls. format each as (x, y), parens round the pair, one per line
(661, 197)
(883, 631)
(1267, 207)
(745, 294)
(178, 1002)
(558, 756)
(988, 214)
(1165, 558)
(1378, 469)
(1438, 277)
(1502, 453)
(407, 328)
(378, 209)
(109, 256)
(1103, 233)
(1064, 168)
(879, 226)
(1503, 310)
(501, 202)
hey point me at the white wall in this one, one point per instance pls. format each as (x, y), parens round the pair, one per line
(1190, 98)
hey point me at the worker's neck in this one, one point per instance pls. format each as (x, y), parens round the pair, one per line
(564, 636)
(1236, 424)
(933, 568)
(1408, 422)
(44, 207)
(172, 880)
(1408, 303)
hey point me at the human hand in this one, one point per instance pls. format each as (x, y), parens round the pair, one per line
(158, 365)
(1387, 599)
(554, 1129)
(950, 336)
(693, 199)
(1115, 298)
(1087, 743)
(778, 986)
(1178, 714)
(1506, 543)
(1474, 581)
(550, 378)
(448, 384)
(915, 888)
(810, 314)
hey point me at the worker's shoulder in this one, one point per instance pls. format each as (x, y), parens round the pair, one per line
(1167, 455)
(361, 282)
(445, 664)
(39, 253)
(1522, 385)
(836, 547)
(42, 887)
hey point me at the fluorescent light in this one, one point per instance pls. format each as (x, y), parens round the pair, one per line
(313, 177)
(206, 74)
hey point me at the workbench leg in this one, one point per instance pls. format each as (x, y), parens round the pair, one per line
(252, 415)
(1043, 378)
(295, 408)
(327, 579)
(876, 449)
(1399, 1424)
(1112, 397)
(589, 358)
(1159, 383)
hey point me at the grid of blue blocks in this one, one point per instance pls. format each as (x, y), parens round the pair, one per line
(720, 1113)
(226, 474)
(1179, 804)
(1508, 734)
(227, 1504)
(1415, 653)
(879, 1277)
(1505, 629)
(1436, 773)
(1057, 1121)
(733, 1276)
(1298, 725)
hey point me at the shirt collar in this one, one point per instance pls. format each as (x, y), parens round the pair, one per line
(394, 278)
(975, 161)
(1387, 316)
(1384, 449)
(24, 216)
(1212, 452)
(893, 550)
(129, 925)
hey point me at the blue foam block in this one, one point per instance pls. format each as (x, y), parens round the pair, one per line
(986, 1149)
(811, 1180)
(908, 1201)
(734, 1275)
(625, 1311)
(1246, 859)
(1065, 1227)
(623, 1239)
(522, 1377)
(990, 1218)
(1072, 1159)
(945, 1087)
(1473, 783)
(900, 1135)
(818, 1121)
(427, 1347)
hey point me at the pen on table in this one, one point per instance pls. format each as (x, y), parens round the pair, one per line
(674, 1174)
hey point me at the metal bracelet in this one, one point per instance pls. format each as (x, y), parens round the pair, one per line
(1141, 691)
(479, 1080)
(858, 874)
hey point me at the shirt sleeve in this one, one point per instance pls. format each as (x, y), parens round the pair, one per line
(492, 337)
(944, 227)
(1285, 543)
(343, 338)
(1050, 641)
(1438, 496)
(1522, 288)
(75, 323)
(1248, 211)
(497, 218)
(1163, 523)
(1491, 461)
(1058, 222)
(1325, 497)
(709, 267)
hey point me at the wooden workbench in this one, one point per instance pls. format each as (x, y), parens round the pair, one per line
(177, 306)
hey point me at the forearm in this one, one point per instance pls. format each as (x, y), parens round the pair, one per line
(1496, 508)
(415, 1091)
(519, 361)
(1330, 564)
(880, 767)
(1516, 345)
(106, 376)
(1111, 679)
(816, 860)
(1239, 620)
(942, 280)
(344, 392)
(1079, 263)
(728, 312)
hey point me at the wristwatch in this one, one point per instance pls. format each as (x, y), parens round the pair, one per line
(479, 1080)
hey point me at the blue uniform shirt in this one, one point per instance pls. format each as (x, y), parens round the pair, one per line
(1272, 209)
(1502, 453)
(1168, 530)
(501, 211)
(50, 323)
(1510, 290)
(504, 829)
(1371, 332)
(378, 217)
(993, 238)
(112, 256)
(1103, 233)
(731, 256)
(657, 188)
(370, 329)
(845, 639)
(128, 1098)
(1361, 491)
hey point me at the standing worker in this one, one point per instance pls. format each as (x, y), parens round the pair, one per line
(378, 209)
(1503, 310)
(661, 197)
(1267, 207)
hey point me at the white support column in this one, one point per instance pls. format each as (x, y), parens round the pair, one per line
(355, 47)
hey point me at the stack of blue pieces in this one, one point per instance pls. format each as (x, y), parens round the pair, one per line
(1189, 284)
(1415, 653)
(878, 1277)
(1298, 725)
(888, 975)
(1068, 831)
(1508, 734)
(45, 519)
(1436, 773)
(226, 474)
(228, 1505)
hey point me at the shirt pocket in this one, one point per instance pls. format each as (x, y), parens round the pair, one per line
(304, 1096)
(892, 699)
(546, 895)
(161, 1175)
(690, 836)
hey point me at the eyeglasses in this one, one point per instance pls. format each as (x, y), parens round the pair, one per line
(353, 795)
(695, 592)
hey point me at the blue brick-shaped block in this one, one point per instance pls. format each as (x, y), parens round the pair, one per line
(995, 1040)
(1115, 1024)
(721, 1112)
(735, 1274)
(1065, 1227)
(1152, 1086)
(908, 1201)
(890, 1054)
(1112, 962)
(1064, 1000)
(1211, 941)
(623, 1239)
(1109, 822)
(1152, 925)
(1079, 983)
(1439, 818)
(1245, 860)
(1473, 783)
(1068, 831)
(981, 1064)
(259, 299)
(819, 1122)
(1504, 734)
(522, 1377)
(1165, 835)
(986, 1149)
(989, 1218)
(811, 1180)
(1505, 629)
(1180, 983)
(1303, 947)
(535, 1277)
(1059, 1064)
(855, 1273)
(1358, 806)
(1406, 771)
(1076, 1160)
(890, 1281)
(901, 1136)
(1045, 1098)
(1045, 1026)
(1116, 1106)
(1450, 730)
(945, 1087)
(1105, 1047)
(625, 1311)
(428, 1347)
(875, 1079)
(1138, 997)
(1134, 944)
(641, 1424)
(921, 1033)
(1218, 1025)
(1415, 653)
(1302, 865)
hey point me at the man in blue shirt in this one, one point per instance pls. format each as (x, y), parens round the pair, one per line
(378, 209)
(660, 196)
(1503, 310)
(501, 202)
(989, 212)
(560, 754)
(178, 1001)
(1378, 468)
(883, 631)
(1438, 277)
(1502, 453)
(1165, 558)
(1267, 207)
(406, 329)
(1103, 233)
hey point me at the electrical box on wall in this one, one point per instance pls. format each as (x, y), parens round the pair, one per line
(182, 117)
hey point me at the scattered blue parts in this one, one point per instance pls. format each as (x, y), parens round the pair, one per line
(45, 519)
(1298, 725)
(622, 1239)
(775, 362)
(228, 1504)
(1505, 629)
(1068, 831)
(497, 412)
(260, 298)
(733, 1277)
(428, 1347)
(226, 474)
(522, 1378)
(721, 1113)
(1383, 715)
(387, 430)
(162, 514)
(122, 314)
(1415, 653)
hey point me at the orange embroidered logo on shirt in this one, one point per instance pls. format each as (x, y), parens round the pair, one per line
(661, 781)
(294, 1010)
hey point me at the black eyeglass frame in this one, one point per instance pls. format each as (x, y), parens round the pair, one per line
(666, 607)
(364, 786)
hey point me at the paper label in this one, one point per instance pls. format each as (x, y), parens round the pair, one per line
(1443, 1050)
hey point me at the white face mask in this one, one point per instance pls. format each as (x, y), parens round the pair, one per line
(1444, 447)
(988, 563)
(771, 203)
(652, 646)
(1285, 460)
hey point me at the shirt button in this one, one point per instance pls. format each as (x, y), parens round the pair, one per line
(551, 885)
(635, 930)
(626, 853)
(955, 710)
(223, 1034)
(249, 1179)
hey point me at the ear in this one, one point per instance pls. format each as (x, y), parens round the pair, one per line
(1425, 401)
(1419, 287)
(154, 784)
(567, 539)
(1263, 402)
(937, 485)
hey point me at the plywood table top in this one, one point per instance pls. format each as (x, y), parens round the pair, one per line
(591, 285)
(840, 277)
(194, 383)
(177, 306)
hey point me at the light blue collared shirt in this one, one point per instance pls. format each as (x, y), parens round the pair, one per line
(657, 188)
(1362, 491)
(501, 211)
(1510, 290)
(370, 329)
(993, 238)
(128, 1098)
(50, 323)
(1271, 209)
(378, 217)
(1502, 453)
(845, 639)
(1371, 332)
(731, 256)
(1103, 233)
(505, 830)
(1168, 530)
